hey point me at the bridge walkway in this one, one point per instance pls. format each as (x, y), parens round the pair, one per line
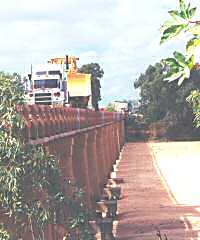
(160, 191)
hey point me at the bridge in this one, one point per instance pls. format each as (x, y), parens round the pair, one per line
(138, 190)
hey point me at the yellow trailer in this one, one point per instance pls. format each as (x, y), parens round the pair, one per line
(79, 84)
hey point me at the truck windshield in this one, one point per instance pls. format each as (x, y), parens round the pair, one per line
(54, 72)
(49, 83)
(41, 73)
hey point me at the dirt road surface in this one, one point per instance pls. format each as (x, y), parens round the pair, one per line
(161, 191)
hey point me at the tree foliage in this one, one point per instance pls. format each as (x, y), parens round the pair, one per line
(154, 93)
(181, 65)
(194, 100)
(4, 235)
(33, 192)
(110, 108)
(97, 73)
(163, 101)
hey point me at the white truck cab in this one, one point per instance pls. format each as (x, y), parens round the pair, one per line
(47, 83)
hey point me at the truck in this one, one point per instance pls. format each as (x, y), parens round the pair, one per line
(58, 83)
(46, 83)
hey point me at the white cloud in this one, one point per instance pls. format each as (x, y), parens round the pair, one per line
(121, 35)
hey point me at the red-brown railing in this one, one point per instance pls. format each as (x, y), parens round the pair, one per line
(86, 143)
(44, 121)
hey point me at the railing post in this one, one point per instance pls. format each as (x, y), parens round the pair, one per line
(110, 149)
(101, 157)
(80, 164)
(106, 147)
(118, 137)
(65, 159)
(78, 119)
(113, 142)
(122, 132)
(94, 174)
(48, 232)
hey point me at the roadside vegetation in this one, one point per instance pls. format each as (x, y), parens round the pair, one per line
(170, 90)
(161, 102)
(33, 192)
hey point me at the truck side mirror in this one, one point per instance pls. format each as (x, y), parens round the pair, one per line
(29, 77)
(67, 62)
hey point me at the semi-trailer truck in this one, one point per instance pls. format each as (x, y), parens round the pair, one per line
(58, 82)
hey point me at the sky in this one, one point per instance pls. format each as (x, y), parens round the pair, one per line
(121, 35)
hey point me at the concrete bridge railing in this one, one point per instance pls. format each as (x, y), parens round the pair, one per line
(85, 142)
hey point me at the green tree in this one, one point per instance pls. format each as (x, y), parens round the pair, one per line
(180, 66)
(163, 101)
(97, 73)
(110, 108)
(154, 93)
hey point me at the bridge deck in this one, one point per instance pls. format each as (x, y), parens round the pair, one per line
(161, 191)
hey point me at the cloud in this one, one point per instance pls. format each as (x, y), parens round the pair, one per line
(121, 35)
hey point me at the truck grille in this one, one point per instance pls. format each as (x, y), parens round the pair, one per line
(43, 98)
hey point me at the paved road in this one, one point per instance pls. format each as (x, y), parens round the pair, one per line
(161, 191)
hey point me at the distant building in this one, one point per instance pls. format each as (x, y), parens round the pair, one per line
(120, 106)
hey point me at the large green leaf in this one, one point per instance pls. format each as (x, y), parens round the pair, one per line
(180, 58)
(177, 17)
(192, 44)
(174, 13)
(191, 12)
(168, 24)
(170, 61)
(183, 9)
(191, 62)
(171, 32)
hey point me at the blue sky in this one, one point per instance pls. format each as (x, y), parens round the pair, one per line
(121, 35)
